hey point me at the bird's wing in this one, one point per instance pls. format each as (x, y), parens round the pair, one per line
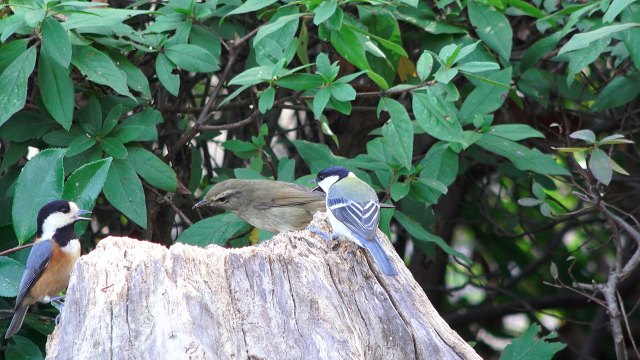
(287, 194)
(355, 204)
(36, 262)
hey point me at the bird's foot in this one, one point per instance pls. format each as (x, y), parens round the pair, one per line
(57, 299)
(321, 233)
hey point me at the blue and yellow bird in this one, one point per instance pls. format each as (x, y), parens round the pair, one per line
(51, 258)
(354, 212)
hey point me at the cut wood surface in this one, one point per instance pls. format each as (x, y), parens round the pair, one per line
(292, 297)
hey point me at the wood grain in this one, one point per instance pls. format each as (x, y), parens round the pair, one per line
(293, 297)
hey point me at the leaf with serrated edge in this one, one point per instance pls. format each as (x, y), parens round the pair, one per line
(40, 181)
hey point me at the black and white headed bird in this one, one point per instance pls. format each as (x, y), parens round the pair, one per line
(51, 258)
(354, 212)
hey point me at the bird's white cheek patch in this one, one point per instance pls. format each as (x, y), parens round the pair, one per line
(326, 183)
(72, 248)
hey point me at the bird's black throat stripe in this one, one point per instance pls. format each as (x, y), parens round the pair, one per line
(63, 235)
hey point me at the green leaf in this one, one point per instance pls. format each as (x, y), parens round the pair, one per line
(110, 120)
(585, 39)
(522, 157)
(486, 98)
(586, 135)
(251, 6)
(56, 89)
(123, 190)
(286, 170)
(581, 58)
(529, 202)
(343, 92)
(10, 50)
(153, 170)
(164, 69)
(265, 103)
(515, 132)
(444, 75)
(323, 66)
(301, 81)
(320, 101)
(419, 233)
(399, 190)
(530, 346)
(16, 131)
(275, 26)
(191, 58)
(21, 348)
(100, 69)
(244, 173)
(477, 66)
(114, 147)
(14, 152)
(217, 230)
(139, 127)
(348, 45)
(205, 39)
(56, 42)
(538, 191)
(600, 166)
(317, 156)
(323, 12)
(436, 117)
(539, 49)
(10, 276)
(424, 66)
(85, 184)
(253, 76)
(398, 131)
(616, 7)
(620, 91)
(614, 139)
(136, 79)
(80, 144)
(90, 116)
(14, 84)
(40, 182)
(440, 163)
(492, 27)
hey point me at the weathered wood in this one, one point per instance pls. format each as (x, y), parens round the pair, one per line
(293, 297)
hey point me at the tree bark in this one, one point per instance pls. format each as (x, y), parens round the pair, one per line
(293, 297)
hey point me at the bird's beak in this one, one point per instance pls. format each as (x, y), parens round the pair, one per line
(83, 212)
(200, 203)
(317, 188)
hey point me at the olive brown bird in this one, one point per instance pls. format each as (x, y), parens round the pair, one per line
(274, 206)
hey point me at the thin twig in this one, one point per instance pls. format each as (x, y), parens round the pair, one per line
(204, 114)
(626, 324)
(17, 248)
(238, 124)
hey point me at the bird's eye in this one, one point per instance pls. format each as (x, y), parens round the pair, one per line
(222, 199)
(66, 210)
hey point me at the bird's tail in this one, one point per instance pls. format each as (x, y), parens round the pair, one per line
(16, 322)
(380, 256)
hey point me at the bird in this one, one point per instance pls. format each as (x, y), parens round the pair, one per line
(353, 209)
(51, 258)
(274, 206)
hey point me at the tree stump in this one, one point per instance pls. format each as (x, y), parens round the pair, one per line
(292, 297)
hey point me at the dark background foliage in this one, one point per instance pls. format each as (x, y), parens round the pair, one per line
(501, 130)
